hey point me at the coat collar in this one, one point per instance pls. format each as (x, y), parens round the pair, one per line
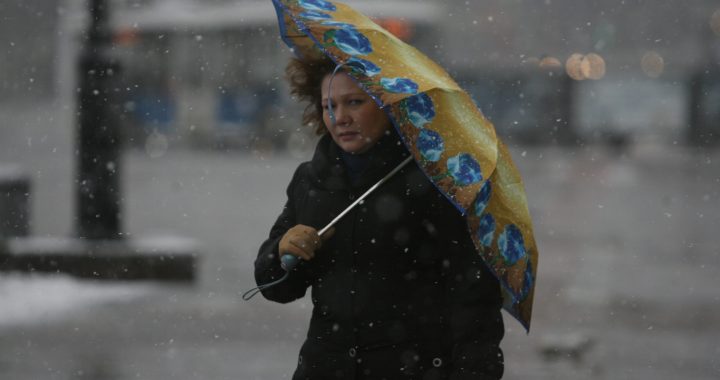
(328, 170)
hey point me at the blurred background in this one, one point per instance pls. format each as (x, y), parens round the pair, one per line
(611, 109)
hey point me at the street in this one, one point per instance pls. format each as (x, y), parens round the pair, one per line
(627, 277)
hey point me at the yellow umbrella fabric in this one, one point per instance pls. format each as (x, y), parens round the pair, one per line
(450, 139)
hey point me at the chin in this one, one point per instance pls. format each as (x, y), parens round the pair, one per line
(354, 149)
(351, 150)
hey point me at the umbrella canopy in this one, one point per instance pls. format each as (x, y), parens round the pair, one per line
(449, 138)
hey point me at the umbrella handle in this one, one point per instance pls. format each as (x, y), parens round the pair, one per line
(288, 261)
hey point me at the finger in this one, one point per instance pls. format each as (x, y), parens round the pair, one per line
(306, 229)
(295, 251)
(328, 234)
(307, 242)
(303, 248)
(295, 246)
(312, 238)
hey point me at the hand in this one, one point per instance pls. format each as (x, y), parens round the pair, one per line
(302, 241)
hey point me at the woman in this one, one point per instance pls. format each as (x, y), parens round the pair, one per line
(398, 290)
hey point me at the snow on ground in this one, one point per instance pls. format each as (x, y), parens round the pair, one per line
(32, 299)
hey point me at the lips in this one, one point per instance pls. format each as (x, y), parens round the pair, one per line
(348, 135)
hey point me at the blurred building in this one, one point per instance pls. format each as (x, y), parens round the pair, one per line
(209, 72)
(650, 52)
(28, 48)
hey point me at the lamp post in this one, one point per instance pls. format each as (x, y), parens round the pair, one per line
(98, 206)
(704, 89)
(99, 250)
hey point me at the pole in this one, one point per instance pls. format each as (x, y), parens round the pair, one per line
(98, 150)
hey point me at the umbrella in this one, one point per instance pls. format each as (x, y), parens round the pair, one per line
(449, 138)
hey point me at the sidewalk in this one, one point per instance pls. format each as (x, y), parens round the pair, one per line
(626, 287)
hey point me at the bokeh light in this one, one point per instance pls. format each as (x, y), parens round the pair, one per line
(592, 66)
(652, 64)
(580, 67)
(572, 66)
(549, 63)
(715, 22)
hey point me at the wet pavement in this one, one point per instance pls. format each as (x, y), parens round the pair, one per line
(627, 279)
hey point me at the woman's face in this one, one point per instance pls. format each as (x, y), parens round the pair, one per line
(359, 122)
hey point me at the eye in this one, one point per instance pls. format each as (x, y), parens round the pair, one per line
(355, 102)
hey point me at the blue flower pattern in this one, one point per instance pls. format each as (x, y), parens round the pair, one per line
(317, 5)
(430, 144)
(338, 24)
(464, 169)
(527, 284)
(399, 85)
(419, 109)
(486, 230)
(350, 41)
(315, 16)
(483, 198)
(364, 66)
(511, 244)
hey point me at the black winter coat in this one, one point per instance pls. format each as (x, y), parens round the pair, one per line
(398, 292)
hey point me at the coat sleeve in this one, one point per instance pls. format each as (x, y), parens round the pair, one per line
(473, 305)
(267, 264)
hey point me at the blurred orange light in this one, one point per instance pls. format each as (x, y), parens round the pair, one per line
(125, 37)
(592, 66)
(652, 64)
(400, 28)
(715, 22)
(572, 67)
(549, 63)
(581, 67)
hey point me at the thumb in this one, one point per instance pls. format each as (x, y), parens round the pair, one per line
(328, 234)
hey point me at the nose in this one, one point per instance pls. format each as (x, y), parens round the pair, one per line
(339, 116)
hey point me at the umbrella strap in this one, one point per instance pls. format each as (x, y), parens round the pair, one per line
(331, 113)
(254, 291)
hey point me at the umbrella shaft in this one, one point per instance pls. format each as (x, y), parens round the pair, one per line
(362, 197)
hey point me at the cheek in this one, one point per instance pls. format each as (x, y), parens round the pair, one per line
(326, 120)
(382, 123)
(376, 121)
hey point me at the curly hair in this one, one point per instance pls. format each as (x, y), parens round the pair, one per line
(305, 78)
